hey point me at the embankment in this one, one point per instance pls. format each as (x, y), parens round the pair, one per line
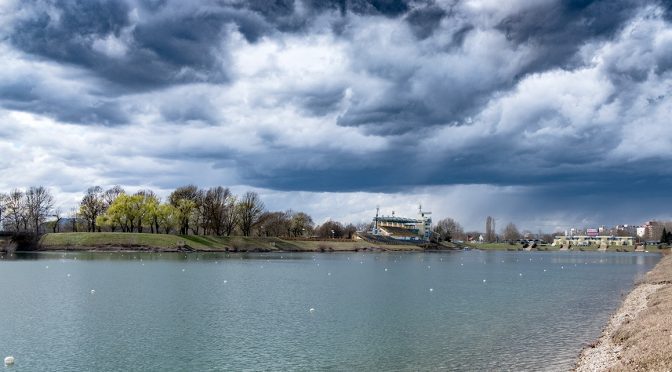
(639, 335)
(177, 243)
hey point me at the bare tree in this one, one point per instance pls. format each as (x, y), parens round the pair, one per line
(215, 204)
(39, 202)
(111, 194)
(249, 209)
(349, 231)
(3, 197)
(274, 224)
(16, 214)
(490, 235)
(511, 232)
(448, 229)
(58, 215)
(330, 229)
(91, 206)
(301, 224)
(229, 215)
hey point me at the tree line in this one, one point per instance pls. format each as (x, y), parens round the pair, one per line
(188, 210)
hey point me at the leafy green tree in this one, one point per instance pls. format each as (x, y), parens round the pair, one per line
(167, 217)
(186, 200)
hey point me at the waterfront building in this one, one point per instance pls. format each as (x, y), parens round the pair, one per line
(584, 240)
(404, 228)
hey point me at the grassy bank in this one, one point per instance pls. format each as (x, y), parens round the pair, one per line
(167, 243)
(639, 336)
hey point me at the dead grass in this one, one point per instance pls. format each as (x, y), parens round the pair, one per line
(643, 340)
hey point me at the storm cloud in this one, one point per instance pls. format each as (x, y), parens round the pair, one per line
(560, 104)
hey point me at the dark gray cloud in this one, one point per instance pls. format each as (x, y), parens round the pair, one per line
(564, 98)
(559, 29)
(63, 106)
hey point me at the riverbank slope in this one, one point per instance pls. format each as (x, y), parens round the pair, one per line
(639, 335)
(83, 241)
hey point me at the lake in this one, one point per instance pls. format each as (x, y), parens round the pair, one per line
(469, 310)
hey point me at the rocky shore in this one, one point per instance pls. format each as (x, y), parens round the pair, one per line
(638, 336)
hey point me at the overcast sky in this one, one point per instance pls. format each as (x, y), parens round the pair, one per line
(546, 113)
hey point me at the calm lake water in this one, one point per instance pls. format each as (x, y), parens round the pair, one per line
(372, 312)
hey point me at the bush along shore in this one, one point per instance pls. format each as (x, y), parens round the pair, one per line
(638, 336)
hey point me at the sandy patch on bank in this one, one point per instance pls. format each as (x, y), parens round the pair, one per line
(639, 335)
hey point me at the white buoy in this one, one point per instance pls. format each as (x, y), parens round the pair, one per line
(431, 289)
(311, 310)
(93, 291)
(9, 360)
(182, 270)
(68, 275)
(386, 269)
(521, 274)
(329, 274)
(483, 280)
(226, 281)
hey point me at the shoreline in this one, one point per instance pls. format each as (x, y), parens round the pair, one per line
(638, 336)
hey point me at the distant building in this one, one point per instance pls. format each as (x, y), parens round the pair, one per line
(653, 230)
(404, 228)
(593, 240)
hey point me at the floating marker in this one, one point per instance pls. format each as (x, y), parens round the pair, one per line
(544, 270)
(46, 267)
(386, 269)
(226, 281)
(93, 291)
(483, 280)
(329, 274)
(431, 289)
(521, 274)
(9, 360)
(182, 270)
(68, 275)
(311, 310)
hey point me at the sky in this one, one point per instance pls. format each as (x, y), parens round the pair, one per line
(549, 114)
